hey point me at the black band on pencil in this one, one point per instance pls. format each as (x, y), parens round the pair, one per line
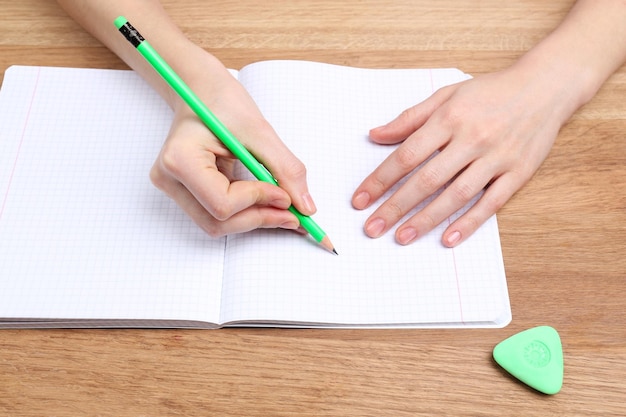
(131, 34)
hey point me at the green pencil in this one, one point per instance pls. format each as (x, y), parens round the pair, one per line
(213, 123)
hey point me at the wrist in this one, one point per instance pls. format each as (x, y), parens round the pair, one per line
(200, 70)
(559, 77)
(572, 63)
(551, 85)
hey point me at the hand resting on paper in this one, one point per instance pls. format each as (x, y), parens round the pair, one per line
(493, 131)
(489, 132)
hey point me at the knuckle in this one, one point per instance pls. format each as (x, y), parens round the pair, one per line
(295, 169)
(406, 157)
(429, 179)
(483, 139)
(171, 160)
(462, 191)
(221, 209)
(451, 115)
(377, 184)
(493, 202)
(429, 221)
(394, 210)
(473, 223)
(469, 223)
(425, 222)
(407, 115)
(213, 228)
(157, 178)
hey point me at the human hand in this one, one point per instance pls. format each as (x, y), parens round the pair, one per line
(492, 132)
(196, 170)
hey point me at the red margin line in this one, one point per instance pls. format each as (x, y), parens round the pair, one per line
(456, 271)
(458, 285)
(19, 148)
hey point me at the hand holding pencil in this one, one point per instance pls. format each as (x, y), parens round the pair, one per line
(194, 168)
(221, 132)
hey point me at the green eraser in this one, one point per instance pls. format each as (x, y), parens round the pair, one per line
(120, 21)
(535, 357)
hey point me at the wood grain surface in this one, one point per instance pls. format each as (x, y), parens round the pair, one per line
(562, 240)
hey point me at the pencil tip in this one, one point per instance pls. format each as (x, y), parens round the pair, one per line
(326, 243)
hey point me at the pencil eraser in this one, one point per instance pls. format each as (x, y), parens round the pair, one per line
(120, 21)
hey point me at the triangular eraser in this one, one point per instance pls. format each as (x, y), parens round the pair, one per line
(535, 357)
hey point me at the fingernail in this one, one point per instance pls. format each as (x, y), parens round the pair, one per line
(453, 238)
(361, 200)
(375, 227)
(407, 235)
(309, 205)
(376, 132)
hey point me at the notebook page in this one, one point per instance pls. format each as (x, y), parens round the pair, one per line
(324, 113)
(83, 233)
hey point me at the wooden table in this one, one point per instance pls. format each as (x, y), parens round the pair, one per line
(562, 239)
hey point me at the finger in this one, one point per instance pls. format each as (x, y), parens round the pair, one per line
(409, 155)
(267, 148)
(426, 181)
(288, 170)
(248, 219)
(495, 196)
(410, 120)
(465, 187)
(213, 191)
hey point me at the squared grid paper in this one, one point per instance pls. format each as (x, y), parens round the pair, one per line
(84, 236)
(323, 113)
(83, 233)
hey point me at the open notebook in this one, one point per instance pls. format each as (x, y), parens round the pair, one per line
(87, 241)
